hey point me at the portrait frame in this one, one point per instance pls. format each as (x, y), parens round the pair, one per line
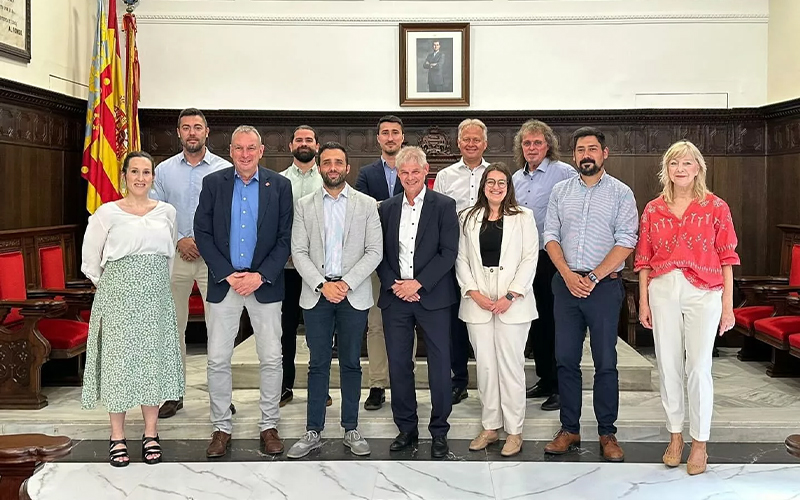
(18, 52)
(430, 75)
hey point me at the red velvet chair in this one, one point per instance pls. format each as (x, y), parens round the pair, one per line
(756, 304)
(30, 335)
(51, 271)
(196, 308)
(776, 331)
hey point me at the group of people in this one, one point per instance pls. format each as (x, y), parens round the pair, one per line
(509, 265)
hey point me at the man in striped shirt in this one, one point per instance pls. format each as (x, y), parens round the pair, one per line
(589, 232)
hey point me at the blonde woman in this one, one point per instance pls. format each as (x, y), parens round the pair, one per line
(497, 255)
(684, 258)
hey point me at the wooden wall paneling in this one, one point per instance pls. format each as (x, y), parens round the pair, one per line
(783, 202)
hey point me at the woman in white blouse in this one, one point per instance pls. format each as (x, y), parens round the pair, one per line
(497, 256)
(133, 353)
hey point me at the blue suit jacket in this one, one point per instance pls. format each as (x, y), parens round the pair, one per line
(372, 182)
(212, 229)
(434, 254)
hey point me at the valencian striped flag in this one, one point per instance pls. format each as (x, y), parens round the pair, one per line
(105, 144)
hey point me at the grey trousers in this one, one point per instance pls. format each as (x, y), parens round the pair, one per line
(223, 325)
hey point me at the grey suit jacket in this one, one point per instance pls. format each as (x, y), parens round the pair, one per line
(361, 254)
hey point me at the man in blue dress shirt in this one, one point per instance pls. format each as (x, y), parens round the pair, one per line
(590, 230)
(178, 183)
(536, 153)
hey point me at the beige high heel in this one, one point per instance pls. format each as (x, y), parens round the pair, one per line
(695, 469)
(673, 459)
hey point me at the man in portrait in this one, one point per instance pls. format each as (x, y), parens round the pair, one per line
(434, 63)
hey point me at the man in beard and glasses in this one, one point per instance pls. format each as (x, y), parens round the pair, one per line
(303, 173)
(337, 243)
(590, 230)
(178, 182)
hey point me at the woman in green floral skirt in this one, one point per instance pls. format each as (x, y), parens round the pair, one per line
(133, 355)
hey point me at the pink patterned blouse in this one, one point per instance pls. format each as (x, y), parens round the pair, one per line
(699, 244)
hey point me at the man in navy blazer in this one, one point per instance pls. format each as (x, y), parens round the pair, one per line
(420, 236)
(379, 180)
(243, 229)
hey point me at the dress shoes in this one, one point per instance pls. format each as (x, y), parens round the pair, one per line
(376, 398)
(459, 394)
(672, 455)
(513, 445)
(329, 401)
(484, 439)
(170, 408)
(286, 397)
(439, 448)
(539, 390)
(404, 440)
(562, 443)
(219, 444)
(695, 468)
(552, 403)
(271, 443)
(611, 449)
(793, 445)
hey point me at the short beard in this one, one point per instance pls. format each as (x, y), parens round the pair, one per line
(333, 184)
(304, 154)
(193, 149)
(590, 169)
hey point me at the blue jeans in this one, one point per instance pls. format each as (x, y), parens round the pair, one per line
(349, 323)
(600, 313)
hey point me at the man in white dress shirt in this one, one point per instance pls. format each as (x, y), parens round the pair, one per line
(461, 182)
(178, 183)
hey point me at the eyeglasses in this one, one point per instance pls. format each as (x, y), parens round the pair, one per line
(492, 183)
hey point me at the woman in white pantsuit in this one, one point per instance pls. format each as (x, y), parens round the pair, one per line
(497, 255)
(684, 257)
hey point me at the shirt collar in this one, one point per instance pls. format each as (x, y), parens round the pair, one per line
(541, 168)
(255, 176)
(386, 165)
(602, 176)
(345, 192)
(206, 158)
(299, 172)
(484, 163)
(417, 199)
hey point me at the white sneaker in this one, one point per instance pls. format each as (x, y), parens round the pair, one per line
(357, 444)
(311, 440)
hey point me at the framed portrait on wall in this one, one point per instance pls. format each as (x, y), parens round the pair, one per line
(434, 64)
(15, 29)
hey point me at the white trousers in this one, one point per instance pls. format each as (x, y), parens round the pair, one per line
(184, 274)
(685, 323)
(223, 326)
(376, 342)
(500, 359)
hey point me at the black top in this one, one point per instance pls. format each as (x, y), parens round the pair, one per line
(491, 238)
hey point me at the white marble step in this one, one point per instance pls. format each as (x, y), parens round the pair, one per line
(634, 369)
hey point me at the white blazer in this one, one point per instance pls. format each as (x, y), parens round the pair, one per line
(519, 253)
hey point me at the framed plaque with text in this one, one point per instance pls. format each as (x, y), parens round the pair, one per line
(15, 29)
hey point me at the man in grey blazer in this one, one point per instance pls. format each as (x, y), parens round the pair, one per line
(337, 243)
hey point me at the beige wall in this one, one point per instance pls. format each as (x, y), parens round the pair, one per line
(62, 34)
(783, 77)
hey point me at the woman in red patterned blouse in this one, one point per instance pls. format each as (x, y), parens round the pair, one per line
(684, 258)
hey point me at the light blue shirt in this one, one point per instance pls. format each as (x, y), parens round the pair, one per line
(179, 183)
(589, 221)
(334, 210)
(244, 221)
(391, 176)
(533, 188)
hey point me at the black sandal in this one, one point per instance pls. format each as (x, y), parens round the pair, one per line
(151, 450)
(115, 455)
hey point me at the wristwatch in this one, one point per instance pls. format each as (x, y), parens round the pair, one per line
(510, 296)
(593, 278)
(319, 287)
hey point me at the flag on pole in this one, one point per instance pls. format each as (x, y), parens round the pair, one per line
(131, 80)
(105, 143)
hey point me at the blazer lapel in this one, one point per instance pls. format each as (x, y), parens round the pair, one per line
(348, 214)
(393, 232)
(509, 228)
(264, 190)
(427, 211)
(475, 232)
(320, 218)
(227, 198)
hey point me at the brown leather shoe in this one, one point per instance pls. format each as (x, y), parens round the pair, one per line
(562, 443)
(271, 442)
(793, 445)
(219, 444)
(611, 450)
(170, 408)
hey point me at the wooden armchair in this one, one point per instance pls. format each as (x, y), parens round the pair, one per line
(776, 331)
(30, 335)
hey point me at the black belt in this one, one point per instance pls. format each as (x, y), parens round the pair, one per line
(245, 270)
(333, 279)
(610, 277)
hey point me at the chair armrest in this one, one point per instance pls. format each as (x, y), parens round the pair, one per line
(760, 280)
(777, 289)
(32, 307)
(64, 292)
(79, 284)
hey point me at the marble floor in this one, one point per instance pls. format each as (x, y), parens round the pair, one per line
(413, 480)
